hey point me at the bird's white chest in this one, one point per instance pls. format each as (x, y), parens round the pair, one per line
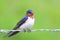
(29, 22)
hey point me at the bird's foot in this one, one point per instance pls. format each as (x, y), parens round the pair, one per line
(24, 30)
(28, 30)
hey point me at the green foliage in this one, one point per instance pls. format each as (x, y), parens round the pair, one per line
(47, 15)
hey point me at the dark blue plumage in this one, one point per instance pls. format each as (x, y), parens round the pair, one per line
(17, 26)
(20, 23)
(29, 11)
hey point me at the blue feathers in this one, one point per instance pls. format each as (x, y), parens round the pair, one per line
(29, 11)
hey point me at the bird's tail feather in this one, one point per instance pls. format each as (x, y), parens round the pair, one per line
(12, 33)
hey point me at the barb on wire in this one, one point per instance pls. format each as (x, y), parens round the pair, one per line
(35, 30)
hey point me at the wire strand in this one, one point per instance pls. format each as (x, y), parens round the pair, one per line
(35, 30)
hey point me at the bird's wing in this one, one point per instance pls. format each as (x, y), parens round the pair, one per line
(11, 33)
(20, 23)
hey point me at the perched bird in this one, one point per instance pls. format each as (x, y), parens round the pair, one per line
(25, 24)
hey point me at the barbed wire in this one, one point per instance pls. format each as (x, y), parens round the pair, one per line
(35, 30)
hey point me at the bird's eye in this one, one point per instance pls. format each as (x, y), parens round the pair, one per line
(30, 14)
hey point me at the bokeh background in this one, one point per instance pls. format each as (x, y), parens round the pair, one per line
(47, 15)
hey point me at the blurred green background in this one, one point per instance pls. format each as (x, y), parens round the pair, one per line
(47, 15)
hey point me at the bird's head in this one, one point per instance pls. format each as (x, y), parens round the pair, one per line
(30, 13)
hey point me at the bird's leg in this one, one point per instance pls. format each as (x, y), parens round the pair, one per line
(24, 30)
(28, 30)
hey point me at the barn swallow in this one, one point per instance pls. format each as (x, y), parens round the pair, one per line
(24, 24)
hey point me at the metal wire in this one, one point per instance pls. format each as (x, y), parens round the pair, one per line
(35, 30)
